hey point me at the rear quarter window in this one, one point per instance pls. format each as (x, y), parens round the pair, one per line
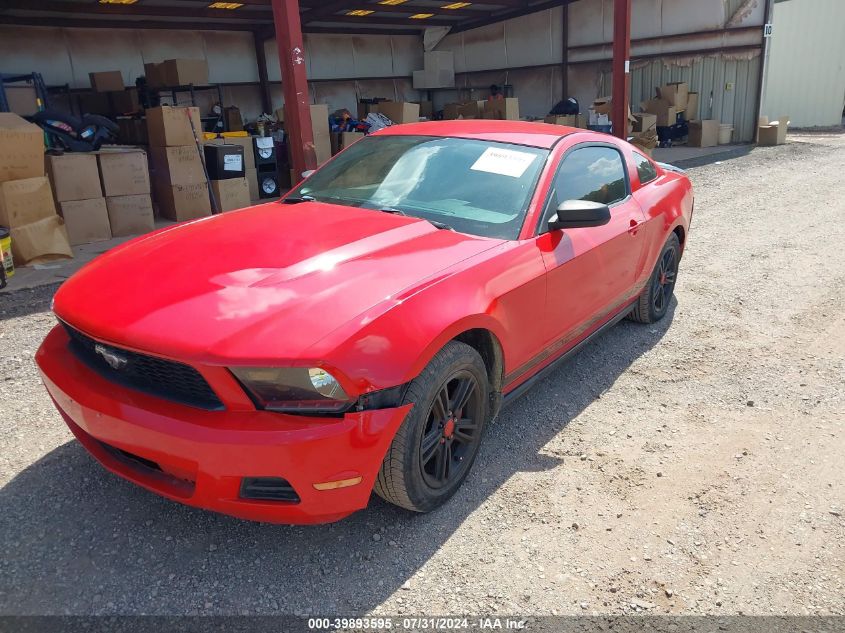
(645, 168)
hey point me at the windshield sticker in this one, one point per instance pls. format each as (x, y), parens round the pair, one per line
(505, 162)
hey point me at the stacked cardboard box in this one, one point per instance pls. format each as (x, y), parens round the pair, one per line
(320, 130)
(225, 165)
(570, 120)
(250, 170)
(703, 133)
(438, 71)
(772, 132)
(26, 200)
(179, 185)
(399, 111)
(342, 140)
(507, 109)
(79, 196)
(125, 178)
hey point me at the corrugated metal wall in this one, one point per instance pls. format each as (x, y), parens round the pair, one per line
(67, 55)
(805, 79)
(491, 55)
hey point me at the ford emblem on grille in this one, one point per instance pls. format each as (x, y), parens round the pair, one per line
(115, 361)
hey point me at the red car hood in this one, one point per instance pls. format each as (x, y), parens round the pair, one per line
(256, 285)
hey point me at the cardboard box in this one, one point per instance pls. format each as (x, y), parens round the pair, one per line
(643, 122)
(25, 201)
(320, 130)
(691, 111)
(427, 109)
(182, 202)
(470, 110)
(74, 177)
(774, 132)
(450, 111)
(223, 161)
(124, 101)
(21, 148)
(703, 133)
(22, 99)
(251, 176)
(280, 114)
(231, 194)
(247, 142)
(400, 111)
(665, 112)
(676, 93)
(154, 74)
(170, 126)
(507, 109)
(342, 140)
(570, 120)
(233, 119)
(86, 221)
(106, 81)
(177, 165)
(40, 241)
(181, 72)
(130, 215)
(124, 172)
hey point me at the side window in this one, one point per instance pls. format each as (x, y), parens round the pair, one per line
(645, 169)
(589, 173)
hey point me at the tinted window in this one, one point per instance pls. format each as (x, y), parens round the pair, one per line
(645, 169)
(473, 186)
(590, 173)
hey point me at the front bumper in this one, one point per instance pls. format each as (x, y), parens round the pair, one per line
(199, 457)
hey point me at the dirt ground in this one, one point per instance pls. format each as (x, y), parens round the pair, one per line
(691, 467)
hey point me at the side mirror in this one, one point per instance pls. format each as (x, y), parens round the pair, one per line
(575, 214)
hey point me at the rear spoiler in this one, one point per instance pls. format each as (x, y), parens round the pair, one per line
(668, 167)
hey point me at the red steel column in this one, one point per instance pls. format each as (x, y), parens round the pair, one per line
(621, 66)
(289, 41)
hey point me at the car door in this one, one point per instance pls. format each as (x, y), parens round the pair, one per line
(590, 271)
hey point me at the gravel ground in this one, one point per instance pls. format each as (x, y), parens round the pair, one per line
(691, 467)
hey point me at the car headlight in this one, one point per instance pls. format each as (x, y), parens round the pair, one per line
(293, 389)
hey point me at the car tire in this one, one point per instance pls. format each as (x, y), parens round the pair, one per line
(411, 475)
(657, 295)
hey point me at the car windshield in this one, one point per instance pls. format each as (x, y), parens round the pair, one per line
(477, 187)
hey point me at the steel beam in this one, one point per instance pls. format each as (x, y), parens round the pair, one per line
(621, 66)
(291, 47)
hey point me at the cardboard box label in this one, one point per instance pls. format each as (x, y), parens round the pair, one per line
(233, 162)
(108, 81)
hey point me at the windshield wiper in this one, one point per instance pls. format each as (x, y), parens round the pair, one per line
(434, 223)
(298, 199)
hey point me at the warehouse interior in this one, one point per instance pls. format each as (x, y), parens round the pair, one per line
(690, 72)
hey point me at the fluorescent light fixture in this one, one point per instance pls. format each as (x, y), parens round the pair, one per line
(392, 2)
(359, 12)
(421, 16)
(456, 5)
(118, 1)
(225, 5)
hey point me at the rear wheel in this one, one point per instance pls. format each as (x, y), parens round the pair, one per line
(434, 449)
(656, 296)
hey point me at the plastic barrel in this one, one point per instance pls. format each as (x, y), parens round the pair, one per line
(725, 132)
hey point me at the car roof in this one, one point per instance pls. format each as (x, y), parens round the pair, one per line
(543, 135)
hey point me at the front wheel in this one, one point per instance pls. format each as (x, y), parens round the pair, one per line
(434, 449)
(656, 296)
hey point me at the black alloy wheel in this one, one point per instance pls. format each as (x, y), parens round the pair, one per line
(452, 430)
(656, 297)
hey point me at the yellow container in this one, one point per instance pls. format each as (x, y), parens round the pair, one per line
(6, 262)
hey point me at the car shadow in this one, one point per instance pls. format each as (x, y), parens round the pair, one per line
(80, 540)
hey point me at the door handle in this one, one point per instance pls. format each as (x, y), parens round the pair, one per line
(634, 227)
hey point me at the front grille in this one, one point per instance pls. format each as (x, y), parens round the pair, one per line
(156, 376)
(268, 489)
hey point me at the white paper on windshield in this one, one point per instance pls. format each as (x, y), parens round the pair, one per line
(506, 162)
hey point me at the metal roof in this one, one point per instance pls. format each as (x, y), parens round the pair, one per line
(329, 16)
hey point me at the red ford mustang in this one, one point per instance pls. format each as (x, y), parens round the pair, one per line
(281, 362)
